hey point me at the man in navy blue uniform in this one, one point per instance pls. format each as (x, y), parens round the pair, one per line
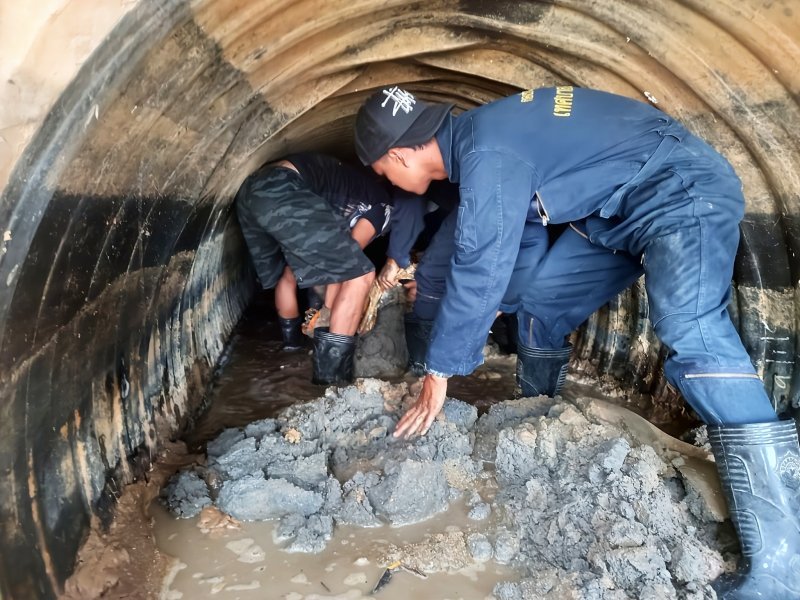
(433, 216)
(643, 195)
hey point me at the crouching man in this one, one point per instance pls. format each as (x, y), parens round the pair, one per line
(646, 196)
(306, 220)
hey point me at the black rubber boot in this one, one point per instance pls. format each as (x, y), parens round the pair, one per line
(333, 357)
(418, 338)
(759, 466)
(541, 371)
(315, 300)
(292, 335)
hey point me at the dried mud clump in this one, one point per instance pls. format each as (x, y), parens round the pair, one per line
(582, 509)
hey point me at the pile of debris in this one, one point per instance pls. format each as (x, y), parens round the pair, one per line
(586, 502)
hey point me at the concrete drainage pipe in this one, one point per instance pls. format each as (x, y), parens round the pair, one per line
(121, 268)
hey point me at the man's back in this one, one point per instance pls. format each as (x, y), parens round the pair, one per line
(352, 193)
(580, 145)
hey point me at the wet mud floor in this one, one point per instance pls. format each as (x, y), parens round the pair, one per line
(256, 380)
(537, 498)
(214, 556)
(294, 492)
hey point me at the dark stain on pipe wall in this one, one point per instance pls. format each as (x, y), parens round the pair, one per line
(120, 289)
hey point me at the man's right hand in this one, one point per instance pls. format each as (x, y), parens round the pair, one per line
(388, 275)
(411, 291)
(419, 417)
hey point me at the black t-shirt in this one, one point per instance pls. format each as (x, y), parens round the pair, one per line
(352, 192)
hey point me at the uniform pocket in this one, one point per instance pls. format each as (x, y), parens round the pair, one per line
(466, 229)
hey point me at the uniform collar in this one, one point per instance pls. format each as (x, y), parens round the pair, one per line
(444, 137)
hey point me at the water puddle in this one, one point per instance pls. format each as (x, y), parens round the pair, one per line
(256, 381)
(245, 563)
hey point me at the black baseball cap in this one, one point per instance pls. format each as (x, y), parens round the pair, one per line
(395, 118)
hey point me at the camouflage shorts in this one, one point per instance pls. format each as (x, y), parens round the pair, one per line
(284, 222)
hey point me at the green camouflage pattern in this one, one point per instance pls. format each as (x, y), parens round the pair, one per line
(284, 222)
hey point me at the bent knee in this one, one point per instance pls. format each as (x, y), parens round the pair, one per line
(677, 321)
(362, 281)
(287, 277)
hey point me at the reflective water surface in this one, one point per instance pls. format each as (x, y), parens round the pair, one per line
(256, 381)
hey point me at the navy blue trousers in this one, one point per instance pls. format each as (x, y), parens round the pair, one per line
(435, 265)
(681, 229)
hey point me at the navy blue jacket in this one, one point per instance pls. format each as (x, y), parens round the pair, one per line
(409, 213)
(552, 154)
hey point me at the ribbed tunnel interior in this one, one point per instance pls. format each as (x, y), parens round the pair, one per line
(122, 271)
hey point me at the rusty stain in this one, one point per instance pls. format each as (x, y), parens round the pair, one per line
(37, 521)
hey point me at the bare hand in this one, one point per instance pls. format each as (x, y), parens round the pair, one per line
(388, 276)
(420, 416)
(411, 291)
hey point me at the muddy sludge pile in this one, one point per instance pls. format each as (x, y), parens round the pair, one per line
(578, 506)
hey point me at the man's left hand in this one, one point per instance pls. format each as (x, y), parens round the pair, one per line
(411, 291)
(388, 275)
(420, 416)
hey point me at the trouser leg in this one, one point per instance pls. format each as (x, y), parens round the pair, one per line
(687, 276)
(533, 247)
(432, 271)
(574, 279)
(431, 282)
(687, 222)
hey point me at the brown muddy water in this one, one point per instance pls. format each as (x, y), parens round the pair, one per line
(244, 563)
(223, 560)
(564, 479)
(256, 380)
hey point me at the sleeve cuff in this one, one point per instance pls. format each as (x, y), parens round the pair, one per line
(438, 374)
(403, 263)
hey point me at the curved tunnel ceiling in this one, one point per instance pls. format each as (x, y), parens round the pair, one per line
(122, 272)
